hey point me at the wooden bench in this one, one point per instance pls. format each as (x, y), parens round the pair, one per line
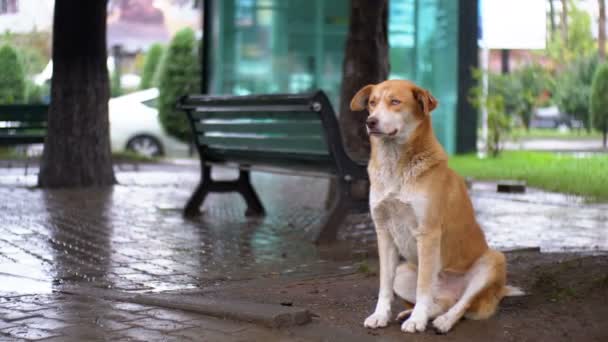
(22, 124)
(283, 133)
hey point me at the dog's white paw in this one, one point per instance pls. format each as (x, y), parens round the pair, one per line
(414, 324)
(376, 320)
(443, 323)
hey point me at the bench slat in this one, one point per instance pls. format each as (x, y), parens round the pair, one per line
(278, 128)
(21, 139)
(267, 159)
(247, 115)
(298, 145)
(29, 113)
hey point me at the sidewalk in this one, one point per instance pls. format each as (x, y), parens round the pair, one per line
(133, 239)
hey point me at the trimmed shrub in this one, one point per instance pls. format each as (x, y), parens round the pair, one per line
(599, 100)
(12, 76)
(179, 75)
(151, 63)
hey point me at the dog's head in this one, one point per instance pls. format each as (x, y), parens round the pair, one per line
(395, 107)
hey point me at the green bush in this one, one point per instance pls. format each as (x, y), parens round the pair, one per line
(599, 100)
(151, 63)
(12, 76)
(34, 93)
(500, 87)
(179, 75)
(573, 88)
(115, 84)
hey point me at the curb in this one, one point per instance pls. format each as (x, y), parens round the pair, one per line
(268, 315)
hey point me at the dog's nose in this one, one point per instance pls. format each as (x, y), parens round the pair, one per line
(371, 122)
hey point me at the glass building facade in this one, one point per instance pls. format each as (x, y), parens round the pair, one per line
(291, 46)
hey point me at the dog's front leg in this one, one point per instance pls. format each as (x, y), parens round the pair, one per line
(429, 264)
(389, 257)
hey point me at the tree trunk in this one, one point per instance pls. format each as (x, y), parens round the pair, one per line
(77, 147)
(552, 17)
(605, 133)
(365, 61)
(601, 38)
(564, 21)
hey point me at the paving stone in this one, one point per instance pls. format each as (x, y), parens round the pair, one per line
(112, 325)
(141, 334)
(16, 316)
(85, 332)
(198, 334)
(159, 324)
(173, 315)
(44, 323)
(4, 324)
(132, 307)
(122, 316)
(28, 333)
(221, 325)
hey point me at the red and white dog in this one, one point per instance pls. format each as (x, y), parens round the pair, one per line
(422, 211)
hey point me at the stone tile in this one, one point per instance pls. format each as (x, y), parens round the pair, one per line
(142, 334)
(112, 325)
(131, 307)
(221, 325)
(29, 333)
(172, 315)
(17, 316)
(159, 324)
(198, 334)
(44, 323)
(84, 332)
(4, 324)
(122, 316)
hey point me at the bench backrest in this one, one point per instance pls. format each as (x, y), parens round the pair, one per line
(283, 130)
(22, 124)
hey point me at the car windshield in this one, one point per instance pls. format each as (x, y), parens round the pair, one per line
(152, 103)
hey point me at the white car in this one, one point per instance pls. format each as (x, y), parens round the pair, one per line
(134, 126)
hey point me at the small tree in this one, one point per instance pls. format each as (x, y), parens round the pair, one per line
(499, 123)
(573, 88)
(599, 100)
(151, 63)
(179, 75)
(12, 76)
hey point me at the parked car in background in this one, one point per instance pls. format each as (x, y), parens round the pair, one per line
(134, 126)
(552, 118)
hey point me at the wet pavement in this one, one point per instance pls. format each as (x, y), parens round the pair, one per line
(133, 238)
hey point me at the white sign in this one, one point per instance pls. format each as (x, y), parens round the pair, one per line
(513, 24)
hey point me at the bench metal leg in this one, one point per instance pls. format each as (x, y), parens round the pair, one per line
(330, 226)
(242, 185)
(196, 199)
(254, 205)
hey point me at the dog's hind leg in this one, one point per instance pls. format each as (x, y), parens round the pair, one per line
(405, 287)
(487, 273)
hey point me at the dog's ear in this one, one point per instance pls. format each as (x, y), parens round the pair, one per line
(426, 101)
(359, 101)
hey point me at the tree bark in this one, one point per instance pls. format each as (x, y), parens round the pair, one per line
(552, 17)
(564, 21)
(365, 61)
(77, 147)
(601, 38)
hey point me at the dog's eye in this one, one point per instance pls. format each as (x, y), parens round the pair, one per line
(372, 103)
(395, 102)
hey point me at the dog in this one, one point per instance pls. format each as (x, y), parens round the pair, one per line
(422, 211)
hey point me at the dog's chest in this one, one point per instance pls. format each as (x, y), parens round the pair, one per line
(399, 213)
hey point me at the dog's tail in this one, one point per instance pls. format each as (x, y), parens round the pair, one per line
(512, 291)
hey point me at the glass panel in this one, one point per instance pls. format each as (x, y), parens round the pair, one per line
(275, 46)
(294, 46)
(424, 48)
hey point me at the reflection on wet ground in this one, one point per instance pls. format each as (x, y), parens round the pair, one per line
(133, 237)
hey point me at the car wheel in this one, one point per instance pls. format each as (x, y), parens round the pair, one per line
(145, 145)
